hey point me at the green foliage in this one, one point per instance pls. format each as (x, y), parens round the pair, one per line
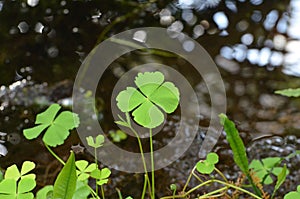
(65, 184)
(265, 167)
(1, 176)
(293, 194)
(13, 172)
(208, 165)
(236, 144)
(151, 94)
(84, 169)
(45, 193)
(118, 135)
(173, 187)
(58, 126)
(101, 176)
(18, 184)
(82, 190)
(280, 179)
(238, 148)
(97, 142)
(289, 92)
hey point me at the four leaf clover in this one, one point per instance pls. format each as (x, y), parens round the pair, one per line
(58, 127)
(149, 99)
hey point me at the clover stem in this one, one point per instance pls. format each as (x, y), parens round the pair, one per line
(221, 174)
(212, 181)
(119, 193)
(54, 154)
(93, 192)
(211, 194)
(189, 179)
(145, 186)
(152, 164)
(143, 157)
(96, 162)
(102, 192)
(197, 177)
(141, 150)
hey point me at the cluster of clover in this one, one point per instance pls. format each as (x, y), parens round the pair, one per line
(145, 103)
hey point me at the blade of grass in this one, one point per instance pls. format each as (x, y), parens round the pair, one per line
(238, 148)
(280, 179)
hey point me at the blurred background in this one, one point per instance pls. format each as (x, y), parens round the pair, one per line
(255, 44)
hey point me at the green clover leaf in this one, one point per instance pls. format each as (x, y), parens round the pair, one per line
(45, 193)
(13, 172)
(18, 184)
(293, 194)
(97, 142)
(118, 135)
(265, 168)
(101, 175)
(151, 97)
(207, 166)
(58, 126)
(84, 169)
(13, 189)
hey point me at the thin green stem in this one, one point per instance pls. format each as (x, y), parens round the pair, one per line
(152, 164)
(141, 150)
(102, 192)
(211, 181)
(211, 194)
(198, 178)
(96, 162)
(54, 154)
(237, 188)
(145, 186)
(93, 192)
(221, 174)
(119, 193)
(142, 156)
(189, 179)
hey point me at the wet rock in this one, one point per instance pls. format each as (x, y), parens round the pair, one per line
(269, 127)
(3, 150)
(271, 101)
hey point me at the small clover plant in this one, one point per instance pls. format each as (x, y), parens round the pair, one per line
(265, 167)
(118, 135)
(13, 172)
(84, 169)
(208, 165)
(293, 194)
(149, 99)
(101, 176)
(18, 184)
(95, 143)
(57, 125)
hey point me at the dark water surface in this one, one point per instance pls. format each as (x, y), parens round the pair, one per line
(254, 43)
